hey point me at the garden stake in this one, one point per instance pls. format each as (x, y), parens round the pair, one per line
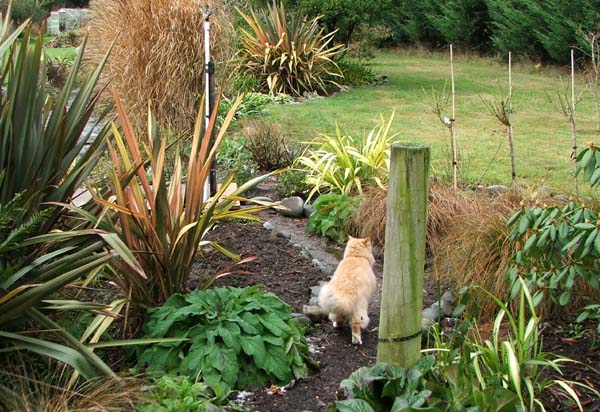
(210, 186)
(404, 259)
(573, 124)
(452, 134)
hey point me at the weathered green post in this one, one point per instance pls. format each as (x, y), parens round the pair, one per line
(404, 258)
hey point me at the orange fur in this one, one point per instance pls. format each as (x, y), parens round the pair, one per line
(346, 296)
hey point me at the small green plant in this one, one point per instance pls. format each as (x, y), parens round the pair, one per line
(233, 155)
(332, 212)
(356, 72)
(237, 338)
(252, 104)
(344, 164)
(292, 183)
(387, 387)
(180, 394)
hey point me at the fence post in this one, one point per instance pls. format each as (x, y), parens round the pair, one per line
(404, 258)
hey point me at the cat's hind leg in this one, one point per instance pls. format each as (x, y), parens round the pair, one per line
(360, 320)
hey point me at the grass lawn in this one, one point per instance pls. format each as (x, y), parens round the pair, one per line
(542, 134)
(61, 53)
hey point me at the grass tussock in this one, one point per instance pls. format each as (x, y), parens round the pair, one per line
(469, 242)
(158, 55)
(105, 395)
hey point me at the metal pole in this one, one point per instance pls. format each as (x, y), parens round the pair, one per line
(209, 94)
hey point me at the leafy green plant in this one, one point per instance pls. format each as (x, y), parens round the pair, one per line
(292, 183)
(234, 156)
(344, 164)
(158, 215)
(180, 394)
(356, 72)
(236, 337)
(560, 245)
(286, 56)
(332, 212)
(252, 104)
(387, 387)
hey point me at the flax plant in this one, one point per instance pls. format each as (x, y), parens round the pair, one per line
(158, 213)
(45, 155)
(287, 56)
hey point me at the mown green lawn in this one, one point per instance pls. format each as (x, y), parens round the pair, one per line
(542, 134)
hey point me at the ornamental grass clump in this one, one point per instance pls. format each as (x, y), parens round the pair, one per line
(288, 55)
(345, 164)
(158, 54)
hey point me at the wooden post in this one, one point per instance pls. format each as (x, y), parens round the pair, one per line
(404, 259)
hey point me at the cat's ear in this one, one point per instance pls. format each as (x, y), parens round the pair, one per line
(351, 238)
(367, 241)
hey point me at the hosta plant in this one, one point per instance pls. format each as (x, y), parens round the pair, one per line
(346, 164)
(236, 338)
(162, 216)
(287, 55)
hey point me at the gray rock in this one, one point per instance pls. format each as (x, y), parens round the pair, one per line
(292, 207)
(448, 302)
(314, 301)
(497, 189)
(283, 233)
(308, 210)
(306, 254)
(302, 318)
(430, 313)
(268, 225)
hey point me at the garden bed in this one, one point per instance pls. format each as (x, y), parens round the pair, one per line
(281, 268)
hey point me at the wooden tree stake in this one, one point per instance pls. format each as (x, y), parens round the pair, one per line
(404, 259)
(452, 133)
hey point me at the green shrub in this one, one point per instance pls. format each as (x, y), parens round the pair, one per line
(240, 338)
(344, 164)
(463, 23)
(291, 56)
(292, 183)
(332, 213)
(270, 147)
(355, 72)
(233, 155)
(25, 9)
(180, 394)
(252, 104)
(560, 245)
(345, 16)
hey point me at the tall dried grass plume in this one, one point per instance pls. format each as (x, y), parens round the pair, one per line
(158, 55)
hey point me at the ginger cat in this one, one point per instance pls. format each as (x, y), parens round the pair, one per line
(346, 296)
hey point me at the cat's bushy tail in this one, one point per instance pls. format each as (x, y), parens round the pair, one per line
(331, 302)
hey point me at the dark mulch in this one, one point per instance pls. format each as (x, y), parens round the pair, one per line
(282, 270)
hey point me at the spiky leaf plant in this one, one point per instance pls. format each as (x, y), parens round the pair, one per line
(161, 215)
(290, 56)
(46, 153)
